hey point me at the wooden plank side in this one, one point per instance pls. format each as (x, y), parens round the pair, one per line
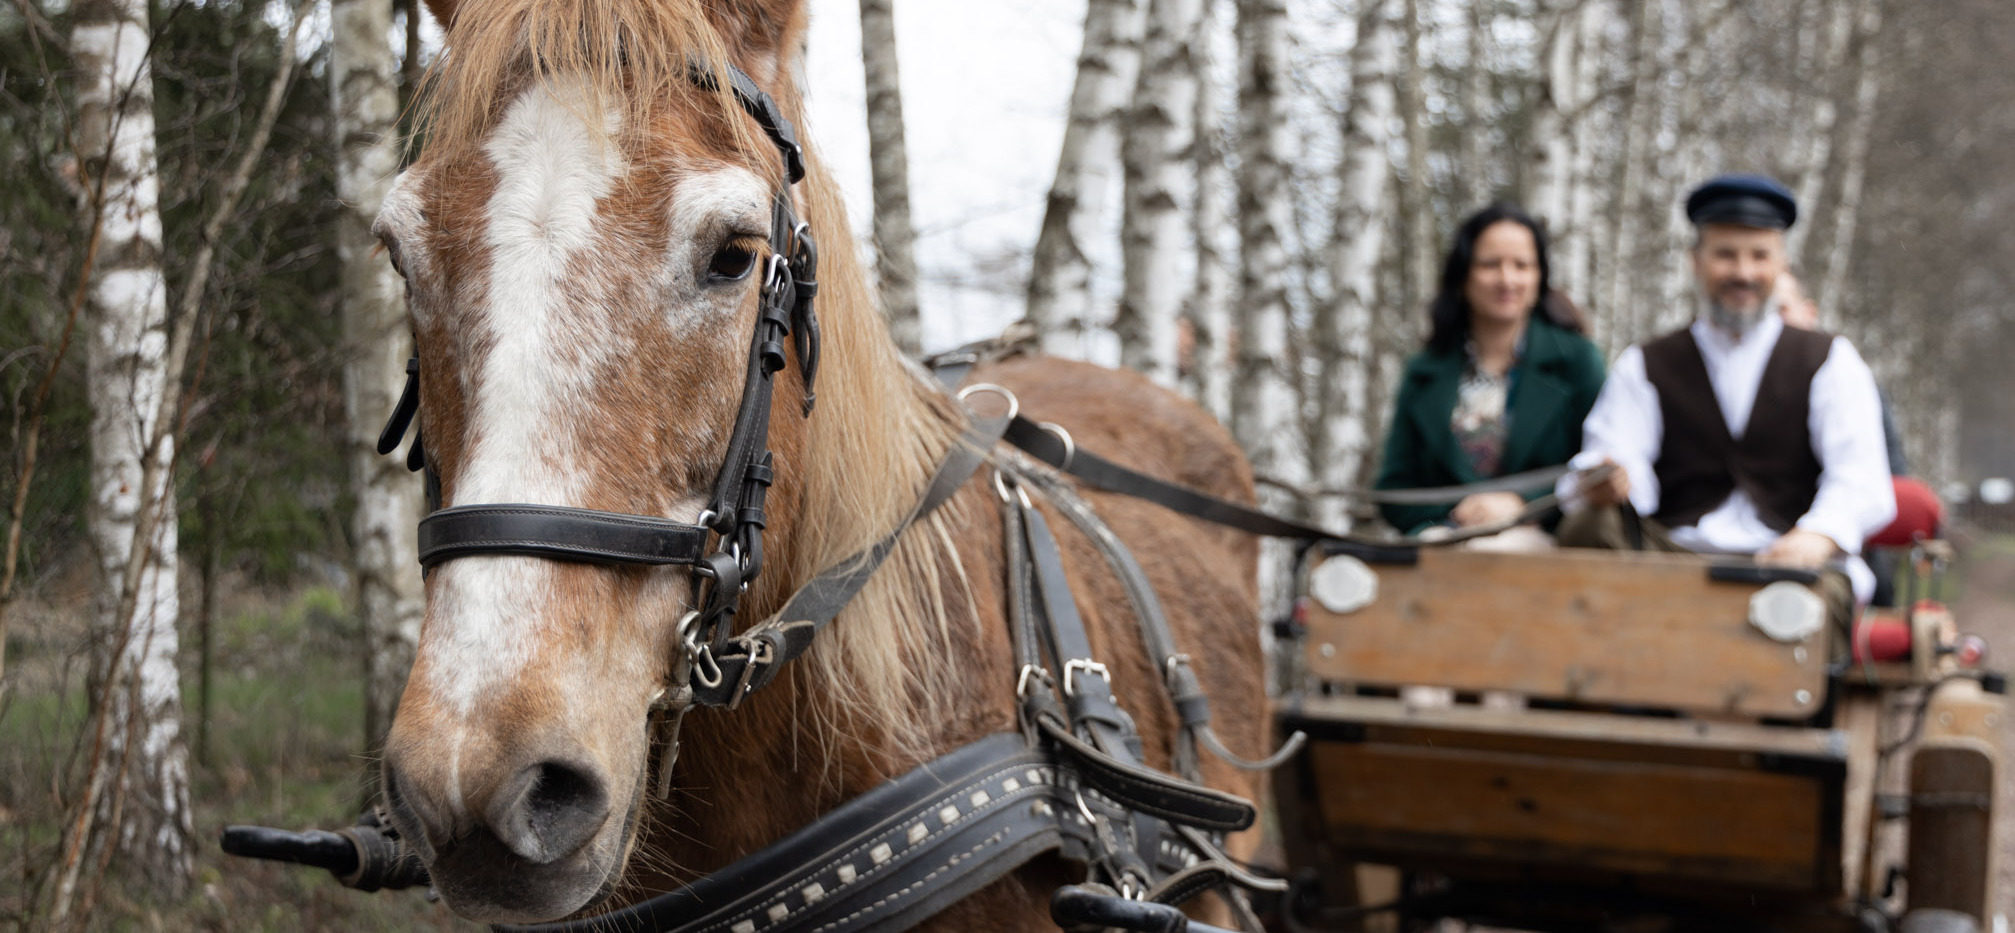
(1588, 626)
(1582, 734)
(1752, 828)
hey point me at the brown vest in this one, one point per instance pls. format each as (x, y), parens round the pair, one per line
(1699, 463)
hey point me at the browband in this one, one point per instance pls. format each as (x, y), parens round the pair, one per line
(559, 532)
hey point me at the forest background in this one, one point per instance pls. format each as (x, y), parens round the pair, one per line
(207, 599)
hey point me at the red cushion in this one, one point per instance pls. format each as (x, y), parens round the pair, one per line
(1918, 515)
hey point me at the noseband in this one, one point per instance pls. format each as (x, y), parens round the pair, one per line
(725, 546)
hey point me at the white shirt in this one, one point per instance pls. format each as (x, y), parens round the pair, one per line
(1856, 498)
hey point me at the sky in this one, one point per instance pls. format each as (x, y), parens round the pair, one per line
(986, 88)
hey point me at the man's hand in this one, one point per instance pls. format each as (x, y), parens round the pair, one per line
(1805, 550)
(1612, 489)
(1487, 508)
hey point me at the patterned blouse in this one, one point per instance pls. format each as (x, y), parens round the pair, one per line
(1481, 419)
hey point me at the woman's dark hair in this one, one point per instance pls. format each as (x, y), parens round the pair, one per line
(1449, 313)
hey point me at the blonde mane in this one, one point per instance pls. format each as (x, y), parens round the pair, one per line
(886, 663)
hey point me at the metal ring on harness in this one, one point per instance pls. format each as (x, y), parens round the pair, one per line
(1069, 446)
(1014, 404)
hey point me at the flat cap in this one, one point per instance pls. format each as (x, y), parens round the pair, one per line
(1746, 200)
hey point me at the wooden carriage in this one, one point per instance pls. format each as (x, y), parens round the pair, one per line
(1627, 736)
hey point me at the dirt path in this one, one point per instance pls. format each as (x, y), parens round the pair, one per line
(1986, 607)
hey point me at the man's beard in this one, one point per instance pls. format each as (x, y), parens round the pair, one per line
(1732, 321)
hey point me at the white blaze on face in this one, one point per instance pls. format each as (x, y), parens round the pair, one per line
(544, 338)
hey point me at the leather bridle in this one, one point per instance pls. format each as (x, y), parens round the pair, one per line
(725, 546)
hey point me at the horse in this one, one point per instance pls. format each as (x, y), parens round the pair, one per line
(580, 238)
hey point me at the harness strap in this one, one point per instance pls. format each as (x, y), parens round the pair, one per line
(749, 661)
(1185, 692)
(885, 860)
(560, 533)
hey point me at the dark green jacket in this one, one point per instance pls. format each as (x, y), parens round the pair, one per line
(1557, 382)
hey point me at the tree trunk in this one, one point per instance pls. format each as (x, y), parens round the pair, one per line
(1059, 292)
(1265, 405)
(1477, 186)
(1208, 311)
(1577, 235)
(1421, 268)
(1344, 335)
(143, 797)
(1626, 266)
(1549, 171)
(895, 239)
(1812, 129)
(1153, 151)
(384, 527)
(1854, 153)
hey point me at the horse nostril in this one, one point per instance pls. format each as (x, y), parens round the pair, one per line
(557, 809)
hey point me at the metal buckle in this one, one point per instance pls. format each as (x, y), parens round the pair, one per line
(779, 269)
(1081, 664)
(1028, 672)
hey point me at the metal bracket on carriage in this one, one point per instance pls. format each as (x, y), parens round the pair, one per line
(369, 856)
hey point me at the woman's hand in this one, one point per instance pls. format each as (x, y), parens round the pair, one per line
(1487, 508)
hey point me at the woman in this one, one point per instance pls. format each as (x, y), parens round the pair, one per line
(1503, 384)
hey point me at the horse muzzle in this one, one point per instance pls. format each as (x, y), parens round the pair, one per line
(539, 844)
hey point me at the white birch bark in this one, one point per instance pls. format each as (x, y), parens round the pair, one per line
(1060, 293)
(1208, 311)
(145, 802)
(895, 239)
(1153, 151)
(1548, 173)
(1811, 139)
(1344, 335)
(1265, 405)
(1476, 180)
(384, 528)
(1577, 235)
(1854, 153)
(1626, 216)
(1422, 269)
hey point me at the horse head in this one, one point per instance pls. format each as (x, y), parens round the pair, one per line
(584, 240)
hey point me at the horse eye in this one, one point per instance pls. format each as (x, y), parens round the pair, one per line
(732, 263)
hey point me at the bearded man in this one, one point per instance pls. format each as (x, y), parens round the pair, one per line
(1737, 434)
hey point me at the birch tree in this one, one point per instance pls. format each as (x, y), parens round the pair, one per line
(1153, 152)
(1060, 292)
(1812, 128)
(1208, 311)
(1577, 233)
(1418, 210)
(1344, 334)
(1476, 181)
(1548, 173)
(895, 239)
(1854, 150)
(384, 527)
(140, 807)
(1263, 399)
(1265, 402)
(1626, 216)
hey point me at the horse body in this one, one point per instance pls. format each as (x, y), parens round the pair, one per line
(578, 242)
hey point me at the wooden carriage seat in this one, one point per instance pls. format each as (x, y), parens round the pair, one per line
(1595, 627)
(1743, 777)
